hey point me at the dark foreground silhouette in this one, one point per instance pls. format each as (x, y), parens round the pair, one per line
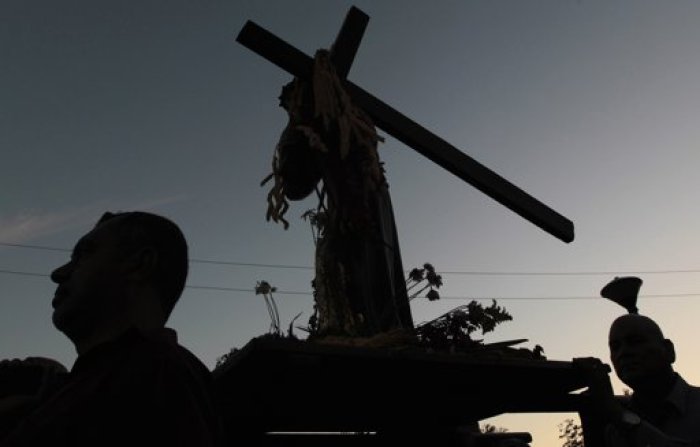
(132, 383)
(664, 409)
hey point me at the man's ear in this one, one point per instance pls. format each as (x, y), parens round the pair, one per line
(670, 351)
(143, 264)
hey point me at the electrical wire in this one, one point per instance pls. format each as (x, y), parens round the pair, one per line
(193, 260)
(293, 292)
(470, 273)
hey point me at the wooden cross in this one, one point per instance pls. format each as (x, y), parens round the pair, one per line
(401, 127)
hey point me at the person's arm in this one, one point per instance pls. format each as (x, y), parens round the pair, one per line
(624, 427)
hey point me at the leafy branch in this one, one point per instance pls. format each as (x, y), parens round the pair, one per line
(454, 329)
(571, 433)
(425, 277)
(318, 220)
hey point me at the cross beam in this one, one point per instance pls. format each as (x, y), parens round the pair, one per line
(348, 41)
(403, 128)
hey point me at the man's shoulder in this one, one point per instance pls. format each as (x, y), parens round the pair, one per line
(156, 370)
(686, 388)
(141, 362)
(686, 398)
(139, 385)
(160, 349)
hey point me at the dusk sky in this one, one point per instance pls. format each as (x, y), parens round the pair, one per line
(590, 106)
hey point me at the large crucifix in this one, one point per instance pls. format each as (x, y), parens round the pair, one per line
(381, 296)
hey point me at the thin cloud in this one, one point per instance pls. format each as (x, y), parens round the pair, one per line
(28, 225)
(150, 204)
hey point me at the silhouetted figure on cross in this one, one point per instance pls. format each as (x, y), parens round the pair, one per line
(331, 137)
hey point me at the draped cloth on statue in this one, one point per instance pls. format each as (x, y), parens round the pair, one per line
(371, 296)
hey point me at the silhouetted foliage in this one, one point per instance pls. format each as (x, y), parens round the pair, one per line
(453, 330)
(318, 220)
(490, 428)
(265, 289)
(290, 329)
(225, 358)
(432, 295)
(571, 433)
(312, 327)
(417, 277)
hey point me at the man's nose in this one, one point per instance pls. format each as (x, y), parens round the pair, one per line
(61, 273)
(624, 350)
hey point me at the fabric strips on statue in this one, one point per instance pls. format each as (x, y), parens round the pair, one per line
(324, 128)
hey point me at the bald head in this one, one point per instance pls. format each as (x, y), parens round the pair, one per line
(639, 352)
(640, 323)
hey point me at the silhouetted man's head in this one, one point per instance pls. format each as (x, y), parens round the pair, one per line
(129, 270)
(639, 352)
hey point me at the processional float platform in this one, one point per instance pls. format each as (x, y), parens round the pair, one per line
(282, 385)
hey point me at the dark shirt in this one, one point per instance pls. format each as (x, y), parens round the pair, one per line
(140, 389)
(679, 415)
(673, 423)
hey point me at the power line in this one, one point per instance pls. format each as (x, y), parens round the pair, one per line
(13, 272)
(215, 288)
(34, 247)
(237, 289)
(511, 298)
(581, 273)
(252, 264)
(468, 273)
(507, 298)
(193, 260)
(567, 298)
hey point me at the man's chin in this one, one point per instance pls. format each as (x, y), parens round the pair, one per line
(636, 381)
(57, 320)
(629, 381)
(61, 319)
